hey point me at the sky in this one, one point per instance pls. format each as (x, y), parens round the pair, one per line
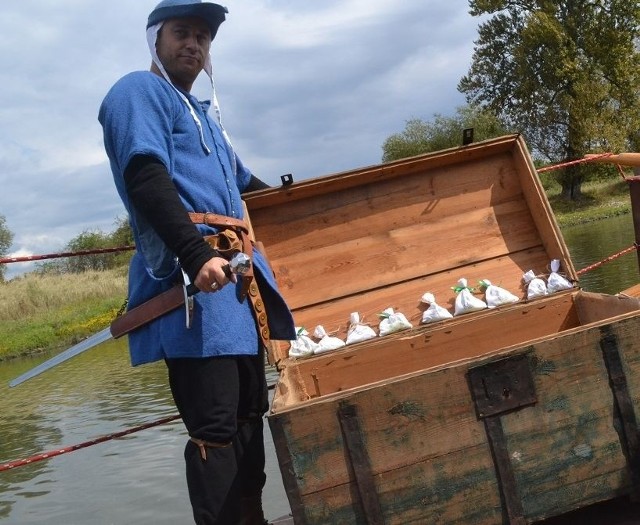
(309, 88)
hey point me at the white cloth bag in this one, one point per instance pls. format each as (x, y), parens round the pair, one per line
(326, 342)
(358, 331)
(497, 296)
(303, 346)
(435, 312)
(536, 287)
(391, 321)
(466, 302)
(556, 282)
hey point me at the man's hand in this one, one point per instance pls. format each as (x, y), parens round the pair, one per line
(212, 276)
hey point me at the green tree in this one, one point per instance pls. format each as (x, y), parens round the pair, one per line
(443, 132)
(6, 239)
(89, 240)
(565, 73)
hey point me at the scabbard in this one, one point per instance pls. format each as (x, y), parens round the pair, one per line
(149, 310)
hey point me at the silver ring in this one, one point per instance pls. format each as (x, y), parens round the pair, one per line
(214, 285)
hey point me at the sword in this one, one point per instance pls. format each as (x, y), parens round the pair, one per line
(142, 314)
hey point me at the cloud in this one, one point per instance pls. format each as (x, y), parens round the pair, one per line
(308, 88)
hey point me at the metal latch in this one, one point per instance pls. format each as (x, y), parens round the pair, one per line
(502, 386)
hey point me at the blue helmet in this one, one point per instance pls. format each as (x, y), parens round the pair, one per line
(212, 14)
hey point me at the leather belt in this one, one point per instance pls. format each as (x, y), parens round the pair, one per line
(234, 237)
(214, 219)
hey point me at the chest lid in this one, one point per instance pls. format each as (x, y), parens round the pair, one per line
(380, 237)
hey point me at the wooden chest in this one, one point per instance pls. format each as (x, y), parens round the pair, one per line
(504, 415)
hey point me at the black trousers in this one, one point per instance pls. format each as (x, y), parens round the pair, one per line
(221, 401)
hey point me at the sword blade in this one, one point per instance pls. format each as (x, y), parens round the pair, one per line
(82, 346)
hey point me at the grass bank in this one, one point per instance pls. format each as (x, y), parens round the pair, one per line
(42, 312)
(600, 200)
(39, 312)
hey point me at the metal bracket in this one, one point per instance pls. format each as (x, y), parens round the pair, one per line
(467, 136)
(627, 424)
(497, 388)
(502, 386)
(360, 463)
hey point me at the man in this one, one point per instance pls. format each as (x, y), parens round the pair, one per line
(181, 182)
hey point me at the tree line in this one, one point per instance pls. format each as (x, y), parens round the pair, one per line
(93, 239)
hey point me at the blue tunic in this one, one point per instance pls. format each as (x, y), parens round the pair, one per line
(143, 115)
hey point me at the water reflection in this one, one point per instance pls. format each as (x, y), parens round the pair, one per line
(139, 479)
(594, 242)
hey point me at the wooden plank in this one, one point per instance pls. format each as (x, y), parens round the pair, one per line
(420, 493)
(594, 307)
(423, 197)
(625, 418)
(506, 480)
(634, 291)
(309, 277)
(272, 198)
(540, 208)
(566, 452)
(280, 430)
(399, 426)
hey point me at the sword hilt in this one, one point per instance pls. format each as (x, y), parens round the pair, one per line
(239, 264)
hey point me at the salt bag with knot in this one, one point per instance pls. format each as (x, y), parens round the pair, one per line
(358, 331)
(326, 342)
(391, 321)
(497, 296)
(536, 287)
(303, 346)
(435, 312)
(556, 282)
(465, 300)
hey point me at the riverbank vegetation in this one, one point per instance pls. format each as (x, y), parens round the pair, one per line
(601, 199)
(45, 311)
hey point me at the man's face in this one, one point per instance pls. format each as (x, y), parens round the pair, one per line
(182, 46)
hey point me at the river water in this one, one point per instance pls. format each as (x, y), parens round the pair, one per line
(139, 479)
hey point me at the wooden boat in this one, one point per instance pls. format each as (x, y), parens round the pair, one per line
(507, 415)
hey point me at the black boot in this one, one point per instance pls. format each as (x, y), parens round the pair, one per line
(209, 484)
(251, 511)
